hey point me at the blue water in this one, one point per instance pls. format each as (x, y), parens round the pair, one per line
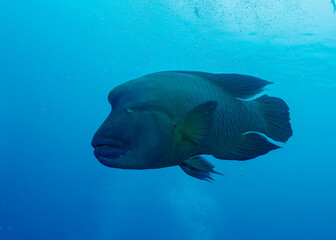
(60, 59)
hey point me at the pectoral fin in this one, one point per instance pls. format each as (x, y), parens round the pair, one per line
(197, 124)
(198, 167)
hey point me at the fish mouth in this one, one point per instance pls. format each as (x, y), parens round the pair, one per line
(105, 153)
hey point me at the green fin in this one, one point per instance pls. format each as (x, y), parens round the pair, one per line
(276, 113)
(198, 167)
(196, 125)
(240, 86)
(248, 146)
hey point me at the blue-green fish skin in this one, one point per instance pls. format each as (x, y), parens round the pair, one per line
(168, 118)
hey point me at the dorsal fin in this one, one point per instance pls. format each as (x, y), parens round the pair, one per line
(240, 86)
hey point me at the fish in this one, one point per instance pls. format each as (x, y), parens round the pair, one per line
(176, 118)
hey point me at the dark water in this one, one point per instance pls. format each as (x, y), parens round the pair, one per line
(59, 60)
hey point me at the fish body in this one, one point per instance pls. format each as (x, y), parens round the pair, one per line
(171, 118)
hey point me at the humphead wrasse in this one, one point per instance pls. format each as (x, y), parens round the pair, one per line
(171, 118)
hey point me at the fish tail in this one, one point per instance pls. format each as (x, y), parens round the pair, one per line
(276, 114)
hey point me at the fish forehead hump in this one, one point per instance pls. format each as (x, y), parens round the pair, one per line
(177, 91)
(180, 88)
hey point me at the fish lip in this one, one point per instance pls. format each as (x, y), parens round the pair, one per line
(105, 153)
(99, 142)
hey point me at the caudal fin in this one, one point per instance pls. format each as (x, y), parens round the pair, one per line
(276, 113)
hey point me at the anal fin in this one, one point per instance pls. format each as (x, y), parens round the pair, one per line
(198, 167)
(248, 146)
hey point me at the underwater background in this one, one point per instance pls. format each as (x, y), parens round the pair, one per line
(58, 62)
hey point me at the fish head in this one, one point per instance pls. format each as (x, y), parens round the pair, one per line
(136, 134)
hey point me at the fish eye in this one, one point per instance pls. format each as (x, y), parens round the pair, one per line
(130, 109)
